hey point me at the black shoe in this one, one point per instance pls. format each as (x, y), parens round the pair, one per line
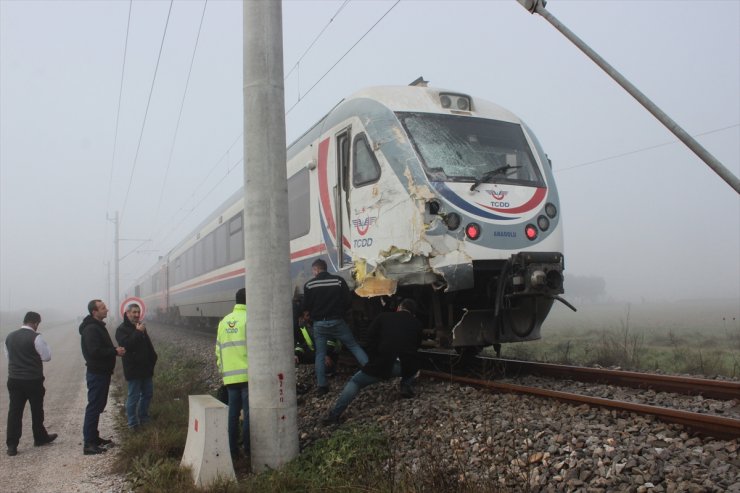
(12, 450)
(92, 449)
(49, 438)
(330, 419)
(407, 392)
(102, 442)
(322, 390)
(301, 389)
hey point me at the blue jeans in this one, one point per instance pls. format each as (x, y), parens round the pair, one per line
(238, 402)
(140, 391)
(323, 330)
(97, 397)
(361, 380)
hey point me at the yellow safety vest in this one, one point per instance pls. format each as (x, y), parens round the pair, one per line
(307, 337)
(231, 346)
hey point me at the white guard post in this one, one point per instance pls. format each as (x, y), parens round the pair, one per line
(207, 447)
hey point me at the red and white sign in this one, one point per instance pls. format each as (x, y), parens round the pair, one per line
(138, 301)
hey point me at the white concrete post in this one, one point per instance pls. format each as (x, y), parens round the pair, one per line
(272, 398)
(207, 447)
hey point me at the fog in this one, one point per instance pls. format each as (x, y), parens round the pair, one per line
(641, 211)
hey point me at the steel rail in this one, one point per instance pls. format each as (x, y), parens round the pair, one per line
(705, 424)
(713, 389)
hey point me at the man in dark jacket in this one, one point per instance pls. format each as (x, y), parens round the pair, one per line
(393, 336)
(100, 359)
(326, 298)
(138, 365)
(26, 351)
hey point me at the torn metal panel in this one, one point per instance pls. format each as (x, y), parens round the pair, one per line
(456, 268)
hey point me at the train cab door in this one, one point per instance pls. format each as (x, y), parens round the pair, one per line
(341, 198)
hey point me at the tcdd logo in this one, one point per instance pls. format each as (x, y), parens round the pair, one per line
(362, 224)
(498, 195)
(232, 328)
(363, 242)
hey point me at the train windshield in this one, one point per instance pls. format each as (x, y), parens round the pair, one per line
(460, 148)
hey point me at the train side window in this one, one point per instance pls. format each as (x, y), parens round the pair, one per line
(236, 239)
(209, 253)
(299, 200)
(199, 258)
(178, 270)
(222, 245)
(190, 263)
(366, 168)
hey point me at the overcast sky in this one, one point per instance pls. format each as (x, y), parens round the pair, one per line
(639, 208)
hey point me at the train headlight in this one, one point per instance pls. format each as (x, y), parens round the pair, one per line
(543, 223)
(551, 210)
(538, 278)
(530, 231)
(452, 220)
(472, 231)
(455, 102)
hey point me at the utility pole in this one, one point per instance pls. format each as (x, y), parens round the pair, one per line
(272, 398)
(108, 284)
(538, 6)
(113, 304)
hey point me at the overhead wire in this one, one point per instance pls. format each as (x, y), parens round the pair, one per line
(179, 115)
(241, 134)
(201, 182)
(118, 110)
(146, 112)
(300, 98)
(642, 149)
(228, 172)
(314, 40)
(118, 115)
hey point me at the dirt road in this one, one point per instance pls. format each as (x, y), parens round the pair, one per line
(60, 466)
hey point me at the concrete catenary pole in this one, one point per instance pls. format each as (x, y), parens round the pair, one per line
(113, 308)
(272, 398)
(538, 6)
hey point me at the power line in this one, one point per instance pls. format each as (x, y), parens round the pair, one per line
(228, 172)
(118, 115)
(315, 39)
(241, 134)
(628, 153)
(146, 112)
(203, 180)
(118, 111)
(179, 115)
(342, 57)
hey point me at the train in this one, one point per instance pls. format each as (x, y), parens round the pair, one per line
(405, 191)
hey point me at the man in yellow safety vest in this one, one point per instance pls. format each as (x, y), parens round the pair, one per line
(231, 358)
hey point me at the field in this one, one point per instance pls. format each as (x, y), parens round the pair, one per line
(692, 337)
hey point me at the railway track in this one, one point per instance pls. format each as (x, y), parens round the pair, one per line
(493, 368)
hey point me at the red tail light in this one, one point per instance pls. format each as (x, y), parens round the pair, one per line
(472, 230)
(530, 231)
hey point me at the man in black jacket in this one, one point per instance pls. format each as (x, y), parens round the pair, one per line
(138, 365)
(100, 359)
(326, 298)
(394, 338)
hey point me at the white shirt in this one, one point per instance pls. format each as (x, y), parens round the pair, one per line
(39, 343)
